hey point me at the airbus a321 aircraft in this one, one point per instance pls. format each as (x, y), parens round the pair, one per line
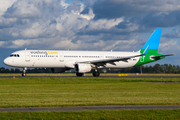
(85, 61)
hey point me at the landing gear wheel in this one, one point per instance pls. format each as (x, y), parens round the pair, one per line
(79, 74)
(96, 74)
(23, 74)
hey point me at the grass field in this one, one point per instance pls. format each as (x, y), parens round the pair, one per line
(38, 92)
(95, 115)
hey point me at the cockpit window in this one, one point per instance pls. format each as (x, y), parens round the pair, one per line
(14, 55)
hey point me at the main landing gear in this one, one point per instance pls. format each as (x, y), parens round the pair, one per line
(96, 73)
(24, 72)
(79, 74)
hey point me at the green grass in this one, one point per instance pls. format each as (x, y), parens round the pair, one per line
(96, 115)
(39, 92)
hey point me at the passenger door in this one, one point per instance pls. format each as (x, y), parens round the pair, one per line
(27, 56)
(61, 57)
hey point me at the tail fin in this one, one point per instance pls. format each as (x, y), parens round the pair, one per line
(153, 43)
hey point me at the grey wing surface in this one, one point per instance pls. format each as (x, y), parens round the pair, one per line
(104, 61)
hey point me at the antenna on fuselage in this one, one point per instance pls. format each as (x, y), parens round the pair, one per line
(25, 48)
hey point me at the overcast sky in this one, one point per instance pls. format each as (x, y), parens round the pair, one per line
(118, 25)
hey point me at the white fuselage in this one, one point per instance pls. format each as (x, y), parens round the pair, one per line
(66, 59)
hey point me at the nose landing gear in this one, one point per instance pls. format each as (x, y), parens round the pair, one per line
(24, 72)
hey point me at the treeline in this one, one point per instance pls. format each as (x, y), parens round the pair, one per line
(18, 70)
(157, 68)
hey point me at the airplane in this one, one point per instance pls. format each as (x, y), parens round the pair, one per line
(86, 61)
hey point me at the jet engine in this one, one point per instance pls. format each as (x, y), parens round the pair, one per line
(58, 70)
(82, 68)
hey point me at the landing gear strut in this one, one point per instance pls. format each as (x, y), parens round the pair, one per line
(24, 72)
(79, 74)
(96, 73)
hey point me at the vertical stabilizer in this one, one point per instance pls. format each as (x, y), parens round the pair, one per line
(153, 42)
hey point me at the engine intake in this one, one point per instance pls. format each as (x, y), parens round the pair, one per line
(82, 68)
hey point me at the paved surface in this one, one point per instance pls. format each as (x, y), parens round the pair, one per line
(89, 108)
(138, 76)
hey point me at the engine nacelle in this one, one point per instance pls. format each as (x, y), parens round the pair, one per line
(82, 68)
(58, 70)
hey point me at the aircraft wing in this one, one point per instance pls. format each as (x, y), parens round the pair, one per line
(111, 61)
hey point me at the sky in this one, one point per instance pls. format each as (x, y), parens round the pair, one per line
(98, 25)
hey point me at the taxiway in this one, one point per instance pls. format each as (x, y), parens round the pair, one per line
(81, 108)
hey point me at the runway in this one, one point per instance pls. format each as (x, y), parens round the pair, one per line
(137, 76)
(81, 108)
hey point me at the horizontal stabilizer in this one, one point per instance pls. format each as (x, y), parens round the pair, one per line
(156, 57)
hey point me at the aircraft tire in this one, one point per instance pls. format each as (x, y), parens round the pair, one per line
(96, 74)
(79, 74)
(23, 74)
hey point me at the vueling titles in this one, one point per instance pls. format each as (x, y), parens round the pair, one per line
(43, 52)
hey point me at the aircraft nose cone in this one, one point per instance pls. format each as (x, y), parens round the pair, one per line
(6, 61)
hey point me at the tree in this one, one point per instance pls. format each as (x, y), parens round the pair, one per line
(17, 71)
(2, 69)
(150, 70)
(157, 68)
(171, 69)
